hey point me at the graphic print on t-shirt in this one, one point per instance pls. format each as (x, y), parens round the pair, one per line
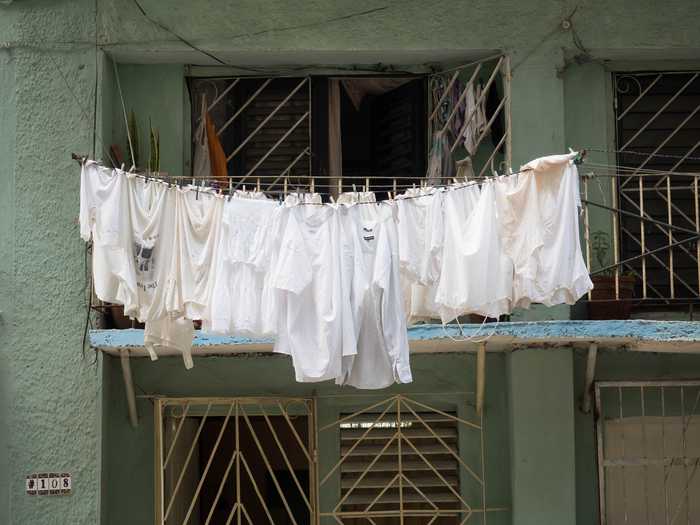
(145, 263)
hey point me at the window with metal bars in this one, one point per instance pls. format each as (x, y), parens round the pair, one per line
(657, 137)
(333, 134)
(382, 472)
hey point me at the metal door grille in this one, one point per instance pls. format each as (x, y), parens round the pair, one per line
(648, 437)
(402, 461)
(657, 119)
(237, 460)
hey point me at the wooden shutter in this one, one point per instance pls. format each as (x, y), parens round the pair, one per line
(399, 132)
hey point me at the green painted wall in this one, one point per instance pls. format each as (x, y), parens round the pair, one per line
(614, 366)
(542, 429)
(48, 68)
(156, 93)
(442, 380)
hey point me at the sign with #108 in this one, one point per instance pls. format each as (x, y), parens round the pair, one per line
(49, 484)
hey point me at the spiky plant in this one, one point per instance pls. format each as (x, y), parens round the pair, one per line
(154, 158)
(134, 134)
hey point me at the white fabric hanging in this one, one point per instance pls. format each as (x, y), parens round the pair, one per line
(541, 232)
(236, 304)
(476, 274)
(198, 227)
(371, 242)
(308, 275)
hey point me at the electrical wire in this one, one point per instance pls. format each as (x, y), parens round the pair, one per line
(640, 153)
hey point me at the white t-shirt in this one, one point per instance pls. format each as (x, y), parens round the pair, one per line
(307, 275)
(104, 218)
(152, 212)
(198, 228)
(377, 308)
(237, 294)
(476, 275)
(152, 209)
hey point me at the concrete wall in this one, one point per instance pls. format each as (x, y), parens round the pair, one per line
(48, 67)
(445, 381)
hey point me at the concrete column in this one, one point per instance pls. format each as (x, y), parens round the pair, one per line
(538, 129)
(542, 436)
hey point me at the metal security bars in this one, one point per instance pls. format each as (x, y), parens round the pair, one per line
(654, 204)
(235, 461)
(467, 117)
(648, 437)
(272, 141)
(403, 461)
(264, 125)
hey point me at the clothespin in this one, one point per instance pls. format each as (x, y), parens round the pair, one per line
(580, 156)
(122, 166)
(258, 185)
(354, 189)
(366, 184)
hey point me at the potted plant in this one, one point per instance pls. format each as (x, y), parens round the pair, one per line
(603, 303)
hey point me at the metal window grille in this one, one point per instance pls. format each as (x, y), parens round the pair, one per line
(402, 461)
(235, 460)
(266, 125)
(655, 188)
(648, 437)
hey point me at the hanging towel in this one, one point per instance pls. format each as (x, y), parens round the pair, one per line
(202, 162)
(216, 151)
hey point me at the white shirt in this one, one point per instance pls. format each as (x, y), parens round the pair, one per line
(540, 227)
(307, 275)
(104, 218)
(376, 302)
(476, 275)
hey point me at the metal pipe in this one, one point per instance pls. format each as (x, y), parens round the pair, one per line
(129, 388)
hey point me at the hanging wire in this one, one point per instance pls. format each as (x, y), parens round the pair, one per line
(642, 154)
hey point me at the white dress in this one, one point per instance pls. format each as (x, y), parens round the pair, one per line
(236, 304)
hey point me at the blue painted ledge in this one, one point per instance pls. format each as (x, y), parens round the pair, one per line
(673, 336)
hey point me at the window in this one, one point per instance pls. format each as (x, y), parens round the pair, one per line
(330, 134)
(658, 124)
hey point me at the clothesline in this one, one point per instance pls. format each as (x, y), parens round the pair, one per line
(336, 284)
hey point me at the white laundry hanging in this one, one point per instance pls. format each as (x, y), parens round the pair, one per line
(476, 276)
(541, 232)
(335, 283)
(372, 273)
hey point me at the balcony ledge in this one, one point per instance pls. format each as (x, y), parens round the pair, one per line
(632, 335)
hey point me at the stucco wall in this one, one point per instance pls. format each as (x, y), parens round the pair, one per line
(440, 380)
(51, 393)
